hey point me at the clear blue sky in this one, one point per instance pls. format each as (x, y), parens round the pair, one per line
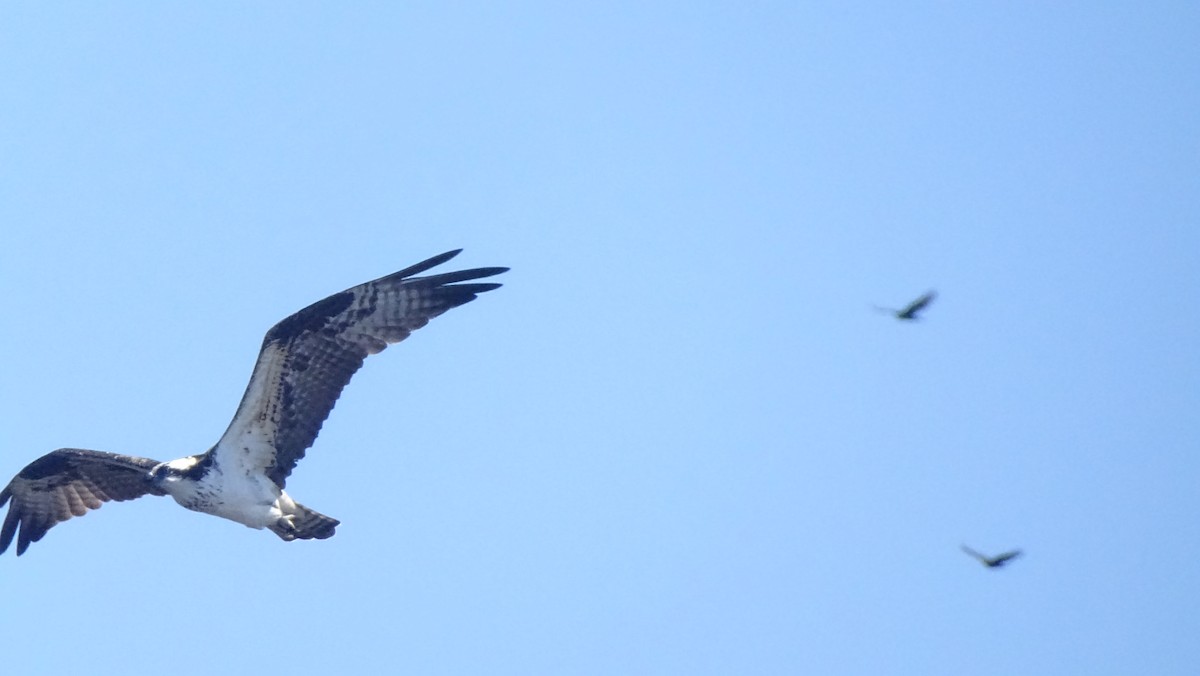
(679, 440)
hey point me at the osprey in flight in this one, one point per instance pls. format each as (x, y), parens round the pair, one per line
(992, 561)
(909, 312)
(304, 363)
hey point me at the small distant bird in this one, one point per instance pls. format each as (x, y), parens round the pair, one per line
(304, 363)
(993, 561)
(909, 313)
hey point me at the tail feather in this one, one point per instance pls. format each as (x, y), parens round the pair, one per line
(305, 524)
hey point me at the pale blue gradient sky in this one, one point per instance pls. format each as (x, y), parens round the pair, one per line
(679, 440)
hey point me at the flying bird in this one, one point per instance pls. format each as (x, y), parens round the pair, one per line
(909, 312)
(304, 363)
(993, 561)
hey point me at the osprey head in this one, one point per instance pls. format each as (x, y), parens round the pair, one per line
(166, 473)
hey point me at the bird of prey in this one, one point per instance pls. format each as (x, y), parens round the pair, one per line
(304, 363)
(993, 561)
(909, 312)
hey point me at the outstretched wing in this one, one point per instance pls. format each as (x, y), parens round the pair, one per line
(916, 306)
(1000, 560)
(307, 359)
(971, 552)
(66, 483)
(992, 561)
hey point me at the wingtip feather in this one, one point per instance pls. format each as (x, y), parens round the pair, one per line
(10, 529)
(424, 265)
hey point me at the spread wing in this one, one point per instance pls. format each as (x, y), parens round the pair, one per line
(1004, 558)
(971, 552)
(307, 359)
(66, 483)
(916, 306)
(992, 561)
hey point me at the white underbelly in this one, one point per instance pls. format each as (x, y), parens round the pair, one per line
(253, 501)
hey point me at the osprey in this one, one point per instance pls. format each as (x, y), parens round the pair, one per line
(304, 363)
(909, 312)
(992, 561)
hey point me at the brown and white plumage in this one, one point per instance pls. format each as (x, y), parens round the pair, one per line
(66, 483)
(307, 359)
(304, 363)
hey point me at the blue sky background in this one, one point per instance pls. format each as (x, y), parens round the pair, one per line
(679, 440)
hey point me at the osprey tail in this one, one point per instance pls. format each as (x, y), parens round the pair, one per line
(305, 524)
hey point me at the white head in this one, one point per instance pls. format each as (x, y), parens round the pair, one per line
(166, 473)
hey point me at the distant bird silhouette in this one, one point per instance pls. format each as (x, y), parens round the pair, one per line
(909, 313)
(993, 561)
